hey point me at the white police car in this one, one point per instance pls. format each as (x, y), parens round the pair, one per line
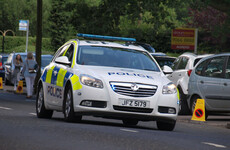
(107, 79)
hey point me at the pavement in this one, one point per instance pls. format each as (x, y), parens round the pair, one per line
(222, 120)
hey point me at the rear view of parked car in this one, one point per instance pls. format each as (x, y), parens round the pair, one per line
(210, 81)
(3, 58)
(9, 67)
(182, 68)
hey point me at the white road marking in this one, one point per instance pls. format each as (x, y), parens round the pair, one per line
(34, 114)
(127, 130)
(6, 108)
(213, 144)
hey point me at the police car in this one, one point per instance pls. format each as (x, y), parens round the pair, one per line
(107, 79)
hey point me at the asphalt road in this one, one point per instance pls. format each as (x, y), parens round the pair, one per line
(20, 129)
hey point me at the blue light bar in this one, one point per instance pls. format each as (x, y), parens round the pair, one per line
(111, 38)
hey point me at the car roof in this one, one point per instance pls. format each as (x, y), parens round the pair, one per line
(109, 44)
(158, 54)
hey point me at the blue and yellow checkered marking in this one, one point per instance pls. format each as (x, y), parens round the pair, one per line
(58, 76)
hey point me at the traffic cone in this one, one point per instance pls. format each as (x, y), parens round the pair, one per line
(1, 85)
(20, 87)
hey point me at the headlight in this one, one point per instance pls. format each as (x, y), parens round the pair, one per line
(169, 89)
(91, 81)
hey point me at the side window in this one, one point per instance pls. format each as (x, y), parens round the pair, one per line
(9, 58)
(175, 64)
(215, 67)
(183, 63)
(200, 67)
(227, 72)
(69, 52)
(62, 50)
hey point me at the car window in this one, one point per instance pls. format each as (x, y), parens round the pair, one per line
(196, 61)
(200, 67)
(115, 57)
(215, 67)
(69, 52)
(4, 59)
(45, 61)
(182, 64)
(61, 51)
(175, 64)
(9, 58)
(227, 72)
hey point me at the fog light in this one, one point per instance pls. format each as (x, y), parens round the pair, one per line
(171, 111)
(87, 103)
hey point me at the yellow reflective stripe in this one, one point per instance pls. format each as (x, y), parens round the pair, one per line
(60, 77)
(74, 54)
(66, 50)
(76, 82)
(49, 74)
(178, 94)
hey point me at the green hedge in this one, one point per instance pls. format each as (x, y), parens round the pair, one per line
(18, 44)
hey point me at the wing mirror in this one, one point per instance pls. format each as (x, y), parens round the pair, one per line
(63, 60)
(167, 69)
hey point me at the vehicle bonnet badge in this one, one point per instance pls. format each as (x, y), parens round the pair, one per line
(134, 87)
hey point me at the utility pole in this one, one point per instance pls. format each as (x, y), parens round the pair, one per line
(38, 40)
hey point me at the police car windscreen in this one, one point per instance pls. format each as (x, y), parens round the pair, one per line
(115, 57)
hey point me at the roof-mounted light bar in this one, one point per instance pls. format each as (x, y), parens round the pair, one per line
(110, 38)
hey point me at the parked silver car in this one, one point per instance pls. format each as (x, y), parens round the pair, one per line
(210, 80)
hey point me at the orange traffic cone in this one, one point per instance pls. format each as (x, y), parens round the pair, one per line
(20, 87)
(1, 85)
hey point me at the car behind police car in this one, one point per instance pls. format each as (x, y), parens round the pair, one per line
(107, 79)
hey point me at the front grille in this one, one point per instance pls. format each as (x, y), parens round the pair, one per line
(133, 109)
(133, 89)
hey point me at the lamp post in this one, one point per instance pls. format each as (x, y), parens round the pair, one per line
(3, 37)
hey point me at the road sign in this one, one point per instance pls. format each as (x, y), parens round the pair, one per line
(24, 26)
(199, 111)
(184, 39)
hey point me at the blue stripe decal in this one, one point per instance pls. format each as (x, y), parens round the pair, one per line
(54, 75)
(44, 75)
(67, 76)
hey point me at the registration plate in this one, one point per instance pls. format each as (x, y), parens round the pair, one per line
(134, 103)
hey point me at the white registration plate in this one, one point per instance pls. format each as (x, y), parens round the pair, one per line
(134, 103)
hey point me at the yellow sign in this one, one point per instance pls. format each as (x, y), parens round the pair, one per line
(199, 111)
(1, 86)
(20, 87)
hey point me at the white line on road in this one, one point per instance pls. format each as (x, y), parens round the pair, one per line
(6, 108)
(127, 130)
(213, 144)
(34, 114)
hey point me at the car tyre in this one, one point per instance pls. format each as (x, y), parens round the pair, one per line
(130, 122)
(41, 111)
(166, 126)
(68, 109)
(183, 103)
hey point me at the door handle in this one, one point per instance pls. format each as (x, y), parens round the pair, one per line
(201, 82)
(179, 74)
(225, 84)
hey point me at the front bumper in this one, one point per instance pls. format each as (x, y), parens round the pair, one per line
(107, 105)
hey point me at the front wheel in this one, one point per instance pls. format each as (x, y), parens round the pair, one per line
(41, 111)
(68, 109)
(167, 126)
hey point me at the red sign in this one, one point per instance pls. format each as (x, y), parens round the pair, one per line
(184, 39)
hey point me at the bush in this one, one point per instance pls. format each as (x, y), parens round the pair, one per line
(18, 44)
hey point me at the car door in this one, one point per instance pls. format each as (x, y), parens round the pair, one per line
(179, 69)
(226, 87)
(209, 83)
(54, 91)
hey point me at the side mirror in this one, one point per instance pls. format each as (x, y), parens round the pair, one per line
(63, 60)
(167, 69)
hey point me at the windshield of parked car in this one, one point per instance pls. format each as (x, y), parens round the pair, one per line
(115, 57)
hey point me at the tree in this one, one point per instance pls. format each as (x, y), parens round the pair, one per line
(58, 20)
